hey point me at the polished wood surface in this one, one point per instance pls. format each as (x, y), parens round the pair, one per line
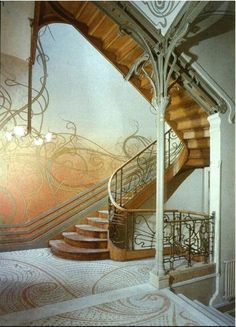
(88, 242)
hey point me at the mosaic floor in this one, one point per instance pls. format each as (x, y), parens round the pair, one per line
(40, 289)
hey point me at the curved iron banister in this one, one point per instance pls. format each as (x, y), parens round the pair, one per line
(135, 177)
(111, 198)
(173, 150)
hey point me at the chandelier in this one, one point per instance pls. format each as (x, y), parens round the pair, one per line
(20, 131)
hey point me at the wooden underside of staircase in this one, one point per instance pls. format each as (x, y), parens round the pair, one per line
(184, 115)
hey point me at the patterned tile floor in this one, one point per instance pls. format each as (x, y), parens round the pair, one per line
(40, 289)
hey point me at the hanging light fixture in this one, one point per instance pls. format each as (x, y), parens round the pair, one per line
(19, 131)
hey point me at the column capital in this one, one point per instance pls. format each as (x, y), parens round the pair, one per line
(214, 119)
(160, 102)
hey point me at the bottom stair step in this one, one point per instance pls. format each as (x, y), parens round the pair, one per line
(62, 249)
(85, 242)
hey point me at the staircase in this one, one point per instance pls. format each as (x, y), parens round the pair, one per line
(219, 318)
(184, 115)
(187, 119)
(88, 242)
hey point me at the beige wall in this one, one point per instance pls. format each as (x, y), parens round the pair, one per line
(97, 120)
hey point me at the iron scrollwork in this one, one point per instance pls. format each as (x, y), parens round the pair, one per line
(187, 236)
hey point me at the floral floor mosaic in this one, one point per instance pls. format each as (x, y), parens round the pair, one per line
(40, 289)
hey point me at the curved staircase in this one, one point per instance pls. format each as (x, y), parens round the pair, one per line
(89, 241)
(184, 115)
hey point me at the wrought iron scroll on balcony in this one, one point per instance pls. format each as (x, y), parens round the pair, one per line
(188, 236)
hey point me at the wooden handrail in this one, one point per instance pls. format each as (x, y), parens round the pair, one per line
(169, 210)
(116, 171)
(187, 212)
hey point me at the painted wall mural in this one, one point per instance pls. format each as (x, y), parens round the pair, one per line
(77, 137)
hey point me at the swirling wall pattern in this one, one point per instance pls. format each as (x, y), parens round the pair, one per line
(161, 9)
(36, 178)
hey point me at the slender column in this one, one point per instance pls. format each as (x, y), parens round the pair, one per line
(162, 59)
(215, 190)
(160, 183)
(158, 272)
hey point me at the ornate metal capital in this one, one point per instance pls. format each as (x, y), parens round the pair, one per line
(159, 57)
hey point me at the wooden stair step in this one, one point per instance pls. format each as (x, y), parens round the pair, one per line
(199, 153)
(192, 123)
(76, 239)
(62, 249)
(97, 22)
(195, 133)
(103, 214)
(198, 143)
(197, 163)
(98, 222)
(182, 112)
(91, 231)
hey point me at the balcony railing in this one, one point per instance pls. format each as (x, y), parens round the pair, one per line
(187, 236)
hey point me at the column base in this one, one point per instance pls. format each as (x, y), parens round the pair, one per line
(159, 281)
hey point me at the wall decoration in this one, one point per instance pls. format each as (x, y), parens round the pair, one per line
(160, 13)
(38, 173)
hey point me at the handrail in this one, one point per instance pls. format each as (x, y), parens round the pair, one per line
(187, 212)
(131, 227)
(176, 151)
(169, 210)
(116, 171)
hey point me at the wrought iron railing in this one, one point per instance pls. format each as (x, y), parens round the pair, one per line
(131, 228)
(140, 170)
(173, 147)
(133, 176)
(187, 236)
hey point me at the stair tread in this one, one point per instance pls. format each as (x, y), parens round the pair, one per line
(91, 228)
(64, 247)
(77, 237)
(98, 219)
(104, 211)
